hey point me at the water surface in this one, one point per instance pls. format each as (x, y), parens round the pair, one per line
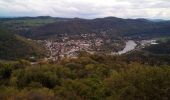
(130, 45)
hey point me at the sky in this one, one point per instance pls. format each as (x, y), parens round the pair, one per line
(152, 9)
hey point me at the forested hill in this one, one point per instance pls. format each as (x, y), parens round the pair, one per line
(16, 47)
(44, 27)
(110, 25)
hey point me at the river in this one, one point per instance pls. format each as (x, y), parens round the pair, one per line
(130, 45)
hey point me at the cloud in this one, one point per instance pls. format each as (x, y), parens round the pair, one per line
(87, 8)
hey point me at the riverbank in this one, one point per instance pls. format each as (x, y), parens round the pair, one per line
(130, 45)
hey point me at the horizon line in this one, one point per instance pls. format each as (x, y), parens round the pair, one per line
(80, 17)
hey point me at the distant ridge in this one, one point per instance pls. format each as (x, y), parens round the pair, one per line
(110, 25)
(43, 27)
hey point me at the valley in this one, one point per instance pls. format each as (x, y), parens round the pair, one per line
(48, 58)
(67, 37)
(84, 49)
(72, 48)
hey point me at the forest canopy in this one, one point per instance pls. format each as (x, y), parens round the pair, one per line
(86, 78)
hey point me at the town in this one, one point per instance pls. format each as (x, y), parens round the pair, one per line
(70, 48)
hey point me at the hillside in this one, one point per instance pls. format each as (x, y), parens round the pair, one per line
(44, 27)
(23, 25)
(110, 26)
(16, 47)
(30, 21)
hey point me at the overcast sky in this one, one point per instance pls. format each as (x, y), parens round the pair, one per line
(155, 9)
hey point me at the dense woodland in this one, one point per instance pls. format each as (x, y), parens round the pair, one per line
(90, 77)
